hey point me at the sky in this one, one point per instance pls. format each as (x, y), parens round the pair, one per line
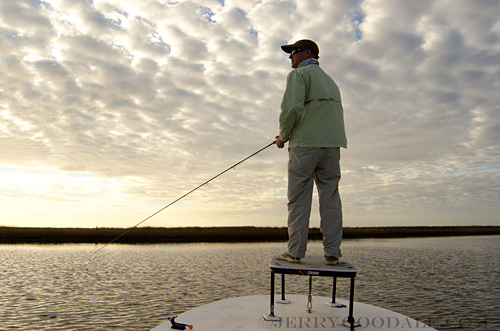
(112, 109)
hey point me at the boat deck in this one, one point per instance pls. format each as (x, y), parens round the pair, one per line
(246, 313)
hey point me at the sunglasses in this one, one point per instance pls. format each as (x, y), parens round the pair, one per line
(298, 50)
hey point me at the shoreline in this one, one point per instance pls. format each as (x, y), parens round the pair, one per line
(159, 235)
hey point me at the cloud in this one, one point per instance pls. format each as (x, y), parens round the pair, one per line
(153, 98)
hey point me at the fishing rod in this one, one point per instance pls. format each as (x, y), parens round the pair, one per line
(185, 195)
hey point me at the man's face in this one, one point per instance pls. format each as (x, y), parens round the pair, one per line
(298, 55)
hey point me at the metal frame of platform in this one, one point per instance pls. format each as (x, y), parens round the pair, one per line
(312, 266)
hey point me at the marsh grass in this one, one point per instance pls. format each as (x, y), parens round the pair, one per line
(153, 235)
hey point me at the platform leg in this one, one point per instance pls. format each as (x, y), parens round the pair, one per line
(334, 294)
(334, 290)
(283, 300)
(272, 294)
(309, 296)
(271, 316)
(283, 287)
(350, 319)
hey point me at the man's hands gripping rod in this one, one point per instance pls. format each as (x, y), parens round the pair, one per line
(280, 143)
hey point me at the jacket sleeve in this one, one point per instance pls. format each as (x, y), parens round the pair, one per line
(292, 105)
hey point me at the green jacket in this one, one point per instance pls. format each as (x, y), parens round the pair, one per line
(311, 110)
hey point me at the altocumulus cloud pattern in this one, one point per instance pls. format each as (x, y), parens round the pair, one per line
(111, 109)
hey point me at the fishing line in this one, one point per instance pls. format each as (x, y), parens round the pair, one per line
(275, 186)
(185, 195)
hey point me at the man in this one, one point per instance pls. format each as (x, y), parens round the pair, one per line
(312, 121)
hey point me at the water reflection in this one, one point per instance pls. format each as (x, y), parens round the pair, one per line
(133, 287)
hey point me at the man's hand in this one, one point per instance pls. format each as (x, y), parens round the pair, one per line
(280, 143)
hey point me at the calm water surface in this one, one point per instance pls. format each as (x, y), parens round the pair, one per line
(449, 283)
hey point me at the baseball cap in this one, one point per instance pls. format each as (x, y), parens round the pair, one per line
(304, 43)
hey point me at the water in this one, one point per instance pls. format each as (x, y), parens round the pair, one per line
(449, 283)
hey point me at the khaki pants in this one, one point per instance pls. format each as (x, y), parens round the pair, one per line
(321, 165)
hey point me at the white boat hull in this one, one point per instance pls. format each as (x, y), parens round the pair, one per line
(247, 313)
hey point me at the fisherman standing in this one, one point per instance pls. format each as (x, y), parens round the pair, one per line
(312, 121)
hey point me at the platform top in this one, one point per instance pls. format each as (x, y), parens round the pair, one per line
(312, 263)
